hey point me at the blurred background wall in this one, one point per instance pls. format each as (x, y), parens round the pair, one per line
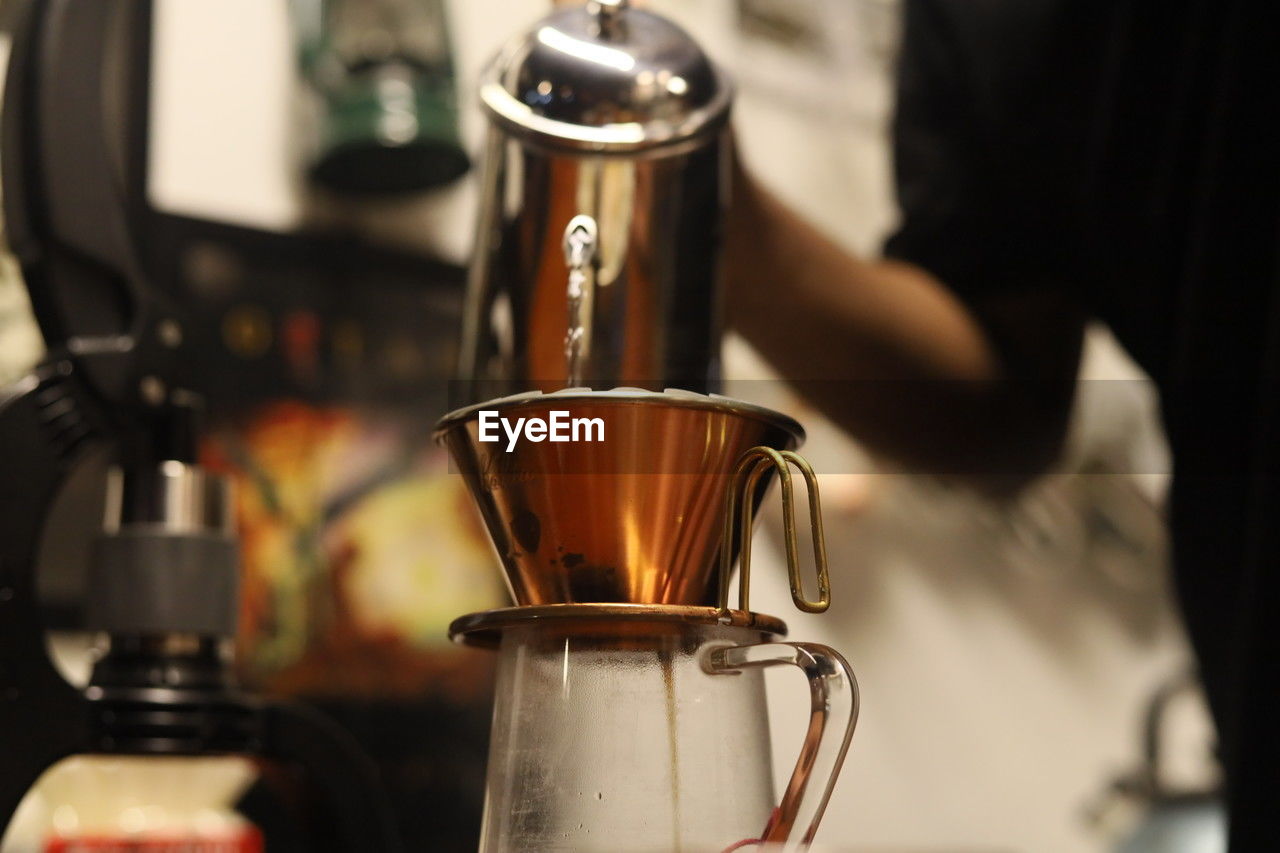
(1005, 653)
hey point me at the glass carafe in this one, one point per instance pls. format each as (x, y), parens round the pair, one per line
(629, 728)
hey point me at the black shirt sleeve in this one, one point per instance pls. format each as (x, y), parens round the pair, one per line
(988, 137)
(936, 151)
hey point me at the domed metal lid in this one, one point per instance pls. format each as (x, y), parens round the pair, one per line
(604, 78)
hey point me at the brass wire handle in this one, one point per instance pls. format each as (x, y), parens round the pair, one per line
(739, 507)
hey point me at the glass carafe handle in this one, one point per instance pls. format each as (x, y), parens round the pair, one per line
(833, 695)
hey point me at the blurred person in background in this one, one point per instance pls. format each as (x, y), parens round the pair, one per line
(1057, 161)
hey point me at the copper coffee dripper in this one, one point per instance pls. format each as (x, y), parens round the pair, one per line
(630, 709)
(622, 550)
(645, 516)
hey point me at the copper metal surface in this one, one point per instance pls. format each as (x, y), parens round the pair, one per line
(634, 518)
(484, 629)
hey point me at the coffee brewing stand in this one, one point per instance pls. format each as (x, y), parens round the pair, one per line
(630, 706)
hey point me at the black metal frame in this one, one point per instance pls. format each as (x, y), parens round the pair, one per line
(74, 154)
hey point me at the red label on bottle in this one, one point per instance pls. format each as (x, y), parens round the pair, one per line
(246, 840)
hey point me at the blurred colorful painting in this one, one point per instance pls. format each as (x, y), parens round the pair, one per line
(359, 548)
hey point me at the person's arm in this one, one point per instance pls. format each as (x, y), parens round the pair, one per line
(888, 352)
(960, 359)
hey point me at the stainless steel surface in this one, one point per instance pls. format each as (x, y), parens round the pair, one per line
(167, 563)
(614, 114)
(171, 497)
(636, 517)
(606, 78)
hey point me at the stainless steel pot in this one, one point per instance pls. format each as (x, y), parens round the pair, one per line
(602, 197)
